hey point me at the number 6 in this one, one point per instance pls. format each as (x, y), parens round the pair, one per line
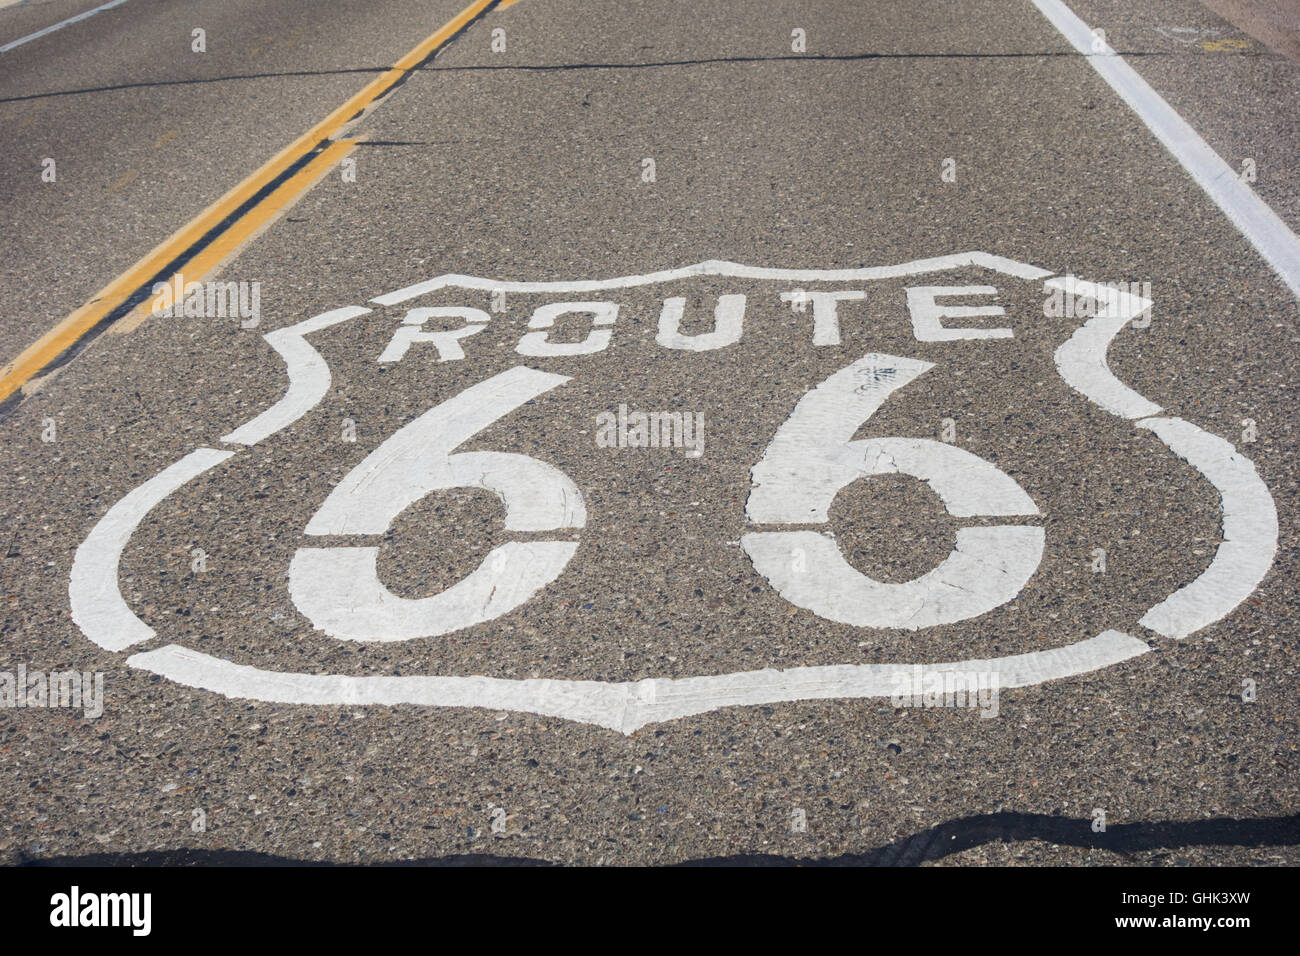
(338, 588)
(811, 459)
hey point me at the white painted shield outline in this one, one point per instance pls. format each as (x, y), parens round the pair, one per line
(1250, 532)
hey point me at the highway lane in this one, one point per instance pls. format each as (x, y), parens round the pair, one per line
(569, 172)
(146, 133)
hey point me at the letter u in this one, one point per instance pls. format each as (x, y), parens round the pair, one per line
(728, 323)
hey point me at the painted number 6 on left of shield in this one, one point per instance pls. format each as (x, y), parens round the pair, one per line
(338, 588)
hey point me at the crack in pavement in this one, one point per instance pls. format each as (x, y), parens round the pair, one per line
(557, 67)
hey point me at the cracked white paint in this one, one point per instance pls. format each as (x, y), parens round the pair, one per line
(811, 459)
(987, 568)
(811, 455)
(417, 459)
(340, 592)
(338, 589)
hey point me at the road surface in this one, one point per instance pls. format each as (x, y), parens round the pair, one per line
(609, 433)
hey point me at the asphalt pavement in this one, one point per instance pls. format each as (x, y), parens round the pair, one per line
(957, 370)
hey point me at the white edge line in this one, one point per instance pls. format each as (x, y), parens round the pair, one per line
(1266, 231)
(60, 25)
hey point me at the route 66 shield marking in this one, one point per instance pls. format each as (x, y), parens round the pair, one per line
(807, 462)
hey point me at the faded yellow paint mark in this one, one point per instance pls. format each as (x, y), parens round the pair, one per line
(1224, 46)
(122, 181)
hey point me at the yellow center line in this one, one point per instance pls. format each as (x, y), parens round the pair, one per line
(56, 341)
(228, 243)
